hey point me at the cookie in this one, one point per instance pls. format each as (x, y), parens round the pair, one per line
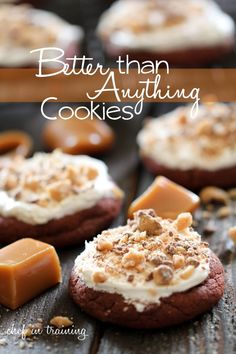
(192, 151)
(150, 273)
(57, 198)
(26, 28)
(183, 33)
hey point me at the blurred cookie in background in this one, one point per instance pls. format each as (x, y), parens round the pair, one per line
(23, 28)
(192, 151)
(56, 198)
(179, 31)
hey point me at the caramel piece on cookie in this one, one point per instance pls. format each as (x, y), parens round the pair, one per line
(76, 136)
(167, 198)
(27, 268)
(14, 142)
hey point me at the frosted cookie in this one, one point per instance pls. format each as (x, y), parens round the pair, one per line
(23, 28)
(150, 273)
(56, 198)
(182, 32)
(194, 152)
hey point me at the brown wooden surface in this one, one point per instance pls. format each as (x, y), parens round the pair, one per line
(213, 333)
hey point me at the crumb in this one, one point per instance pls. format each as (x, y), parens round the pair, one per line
(212, 194)
(3, 342)
(27, 332)
(99, 277)
(232, 193)
(184, 220)
(210, 208)
(132, 259)
(32, 329)
(130, 278)
(21, 344)
(61, 322)
(162, 275)
(209, 229)
(206, 214)
(223, 212)
(149, 224)
(178, 260)
(187, 272)
(104, 245)
(232, 234)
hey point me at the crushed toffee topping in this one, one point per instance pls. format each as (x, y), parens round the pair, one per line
(17, 28)
(150, 248)
(144, 16)
(212, 131)
(45, 179)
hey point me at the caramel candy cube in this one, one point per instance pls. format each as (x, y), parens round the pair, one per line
(27, 268)
(167, 198)
(74, 136)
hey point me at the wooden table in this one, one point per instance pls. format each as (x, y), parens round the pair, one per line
(213, 333)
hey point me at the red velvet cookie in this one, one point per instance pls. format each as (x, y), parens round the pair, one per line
(150, 273)
(181, 32)
(192, 151)
(57, 198)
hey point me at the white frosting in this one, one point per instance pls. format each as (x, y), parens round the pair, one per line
(208, 27)
(99, 188)
(66, 35)
(185, 152)
(138, 293)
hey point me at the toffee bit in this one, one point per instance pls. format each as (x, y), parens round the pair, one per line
(130, 278)
(150, 225)
(232, 234)
(184, 221)
(162, 275)
(104, 245)
(209, 229)
(232, 193)
(61, 322)
(99, 277)
(149, 277)
(206, 214)
(187, 272)
(132, 259)
(192, 261)
(223, 212)
(214, 195)
(178, 261)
